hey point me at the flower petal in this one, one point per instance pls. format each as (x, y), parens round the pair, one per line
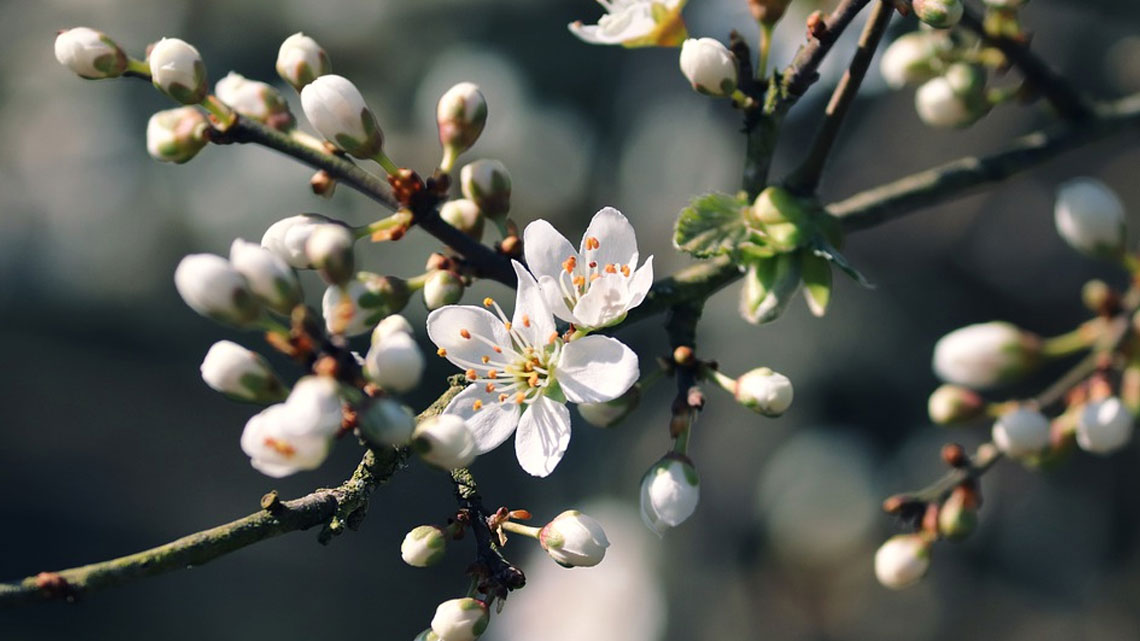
(605, 303)
(543, 435)
(595, 369)
(617, 243)
(640, 283)
(532, 317)
(492, 423)
(448, 325)
(552, 292)
(628, 22)
(545, 249)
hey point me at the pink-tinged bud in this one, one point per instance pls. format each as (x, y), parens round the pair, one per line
(90, 53)
(461, 115)
(951, 404)
(176, 135)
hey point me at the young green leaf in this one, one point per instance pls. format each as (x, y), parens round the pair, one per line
(817, 282)
(713, 224)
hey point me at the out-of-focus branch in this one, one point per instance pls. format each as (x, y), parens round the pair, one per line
(497, 575)
(804, 69)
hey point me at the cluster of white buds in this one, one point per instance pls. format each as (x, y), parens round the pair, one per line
(300, 60)
(940, 14)
(912, 58)
(670, 491)
(424, 546)
(357, 306)
(460, 620)
(1090, 217)
(289, 237)
(445, 441)
(764, 391)
(461, 115)
(255, 100)
(176, 135)
(464, 215)
(394, 361)
(902, 560)
(487, 183)
(90, 53)
(336, 109)
(957, 98)
(177, 70)
(297, 434)
(985, 355)
(709, 66)
(442, 287)
(1104, 426)
(1022, 432)
(234, 291)
(329, 249)
(574, 539)
(241, 374)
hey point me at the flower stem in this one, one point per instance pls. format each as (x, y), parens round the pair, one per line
(519, 528)
(224, 117)
(138, 68)
(1068, 343)
(416, 283)
(386, 162)
(401, 218)
(765, 48)
(716, 376)
(681, 443)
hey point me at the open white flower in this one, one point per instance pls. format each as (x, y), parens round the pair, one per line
(636, 23)
(522, 373)
(595, 286)
(279, 444)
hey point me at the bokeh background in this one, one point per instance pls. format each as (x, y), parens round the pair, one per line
(110, 442)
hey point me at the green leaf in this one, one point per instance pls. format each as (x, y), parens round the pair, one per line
(817, 282)
(768, 288)
(711, 225)
(825, 250)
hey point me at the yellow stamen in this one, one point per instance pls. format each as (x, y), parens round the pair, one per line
(488, 302)
(477, 405)
(611, 269)
(441, 351)
(569, 264)
(492, 373)
(533, 380)
(486, 359)
(625, 270)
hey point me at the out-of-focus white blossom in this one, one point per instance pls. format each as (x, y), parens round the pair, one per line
(709, 66)
(289, 237)
(241, 374)
(1090, 217)
(670, 492)
(1104, 426)
(338, 112)
(445, 441)
(940, 14)
(395, 362)
(255, 100)
(277, 446)
(212, 287)
(363, 302)
(902, 560)
(636, 23)
(385, 421)
(985, 355)
(270, 278)
(954, 99)
(460, 619)
(176, 135)
(329, 249)
(1021, 432)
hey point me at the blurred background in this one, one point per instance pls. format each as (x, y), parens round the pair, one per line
(110, 442)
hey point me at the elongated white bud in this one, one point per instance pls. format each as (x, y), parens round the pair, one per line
(985, 355)
(460, 619)
(395, 363)
(902, 561)
(288, 237)
(176, 135)
(461, 115)
(90, 53)
(255, 100)
(338, 112)
(214, 289)
(176, 69)
(670, 491)
(487, 183)
(329, 249)
(300, 60)
(1090, 217)
(709, 66)
(1022, 432)
(573, 539)
(270, 278)
(241, 374)
(424, 546)
(954, 404)
(384, 421)
(445, 441)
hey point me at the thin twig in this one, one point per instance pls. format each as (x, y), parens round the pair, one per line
(804, 69)
(497, 575)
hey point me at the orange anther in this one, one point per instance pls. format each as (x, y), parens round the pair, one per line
(486, 359)
(488, 302)
(441, 351)
(611, 269)
(526, 320)
(492, 373)
(281, 447)
(490, 387)
(625, 270)
(477, 405)
(471, 375)
(519, 398)
(465, 334)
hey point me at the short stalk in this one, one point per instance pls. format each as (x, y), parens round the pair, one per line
(402, 218)
(1069, 343)
(765, 48)
(447, 163)
(138, 68)
(519, 528)
(681, 443)
(715, 375)
(416, 283)
(579, 333)
(384, 161)
(270, 324)
(224, 117)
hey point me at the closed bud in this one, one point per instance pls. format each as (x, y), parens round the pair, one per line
(315, 406)
(461, 115)
(176, 135)
(255, 100)
(573, 539)
(394, 324)
(611, 413)
(670, 491)
(90, 53)
(709, 66)
(764, 391)
(214, 289)
(985, 355)
(782, 216)
(363, 302)
(463, 215)
(902, 560)
(270, 278)
(424, 546)
(769, 286)
(427, 635)
(488, 184)
(954, 404)
(958, 517)
(300, 60)
(1090, 217)
(1104, 426)
(329, 250)
(1021, 432)
(460, 619)
(289, 237)
(443, 287)
(954, 99)
(338, 112)
(241, 374)
(177, 70)
(383, 421)
(277, 448)
(395, 363)
(445, 441)
(940, 14)
(909, 59)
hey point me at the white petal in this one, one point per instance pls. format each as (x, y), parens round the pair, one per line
(446, 327)
(492, 423)
(617, 243)
(628, 22)
(532, 317)
(552, 292)
(543, 435)
(546, 249)
(596, 369)
(605, 303)
(640, 283)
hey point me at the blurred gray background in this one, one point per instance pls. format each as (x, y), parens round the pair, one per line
(110, 442)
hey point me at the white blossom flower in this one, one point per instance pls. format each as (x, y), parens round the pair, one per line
(709, 66)
(574, 539)
(336, 109)
(670, 492)
(277, 446)
(1104, 426)
(464, 215)
(423, 546)
(443, 287)
(270, 278)
(636, 23)
(522, 373)
(288, 237)
(176, 135)
(1021, 432)
(445, 441)
(598, 284)
(214, 289)
(241, 374)
(90, 53)
(300, 60)
(460, 619)
(329, 249)
(1090, 217)
(315, 405)
(902, 560)
(395, 362)
(364, 301)
(487, 183)
(254, 99)
(176, 69)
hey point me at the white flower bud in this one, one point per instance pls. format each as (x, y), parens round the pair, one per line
(315, 406)
(363, 302)
(670, 491)
(338, 112)
(940, 14)
(464, 215)
(300, 60)
(395, 363)
(176, 135)
(1022, 432)
(445, 441)
(954, 404)
(443, 287)
(270, 278)
(1090, 217)
(384, 421)
(954, 99)
(176, 69)
(709, 66)
(214, 289)
(241, 374)
(460, 619)
(424, 546)
(276, 449)
(985, 355)
(1105, 426)
(461, 115)
(764, 391)
(573, 539)
(394, 324)
(427, 635)
(255, 100)
(908, 60)
(90, 53)
(288, 237)
(611, 413)
(487, 183)
(329, 250)
(902, 560)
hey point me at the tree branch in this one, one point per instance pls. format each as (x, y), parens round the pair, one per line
(497, 575)
(804, 69)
